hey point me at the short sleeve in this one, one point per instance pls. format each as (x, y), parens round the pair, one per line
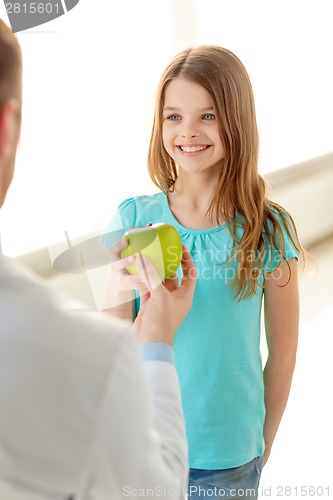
(273, 255)
(122, 220)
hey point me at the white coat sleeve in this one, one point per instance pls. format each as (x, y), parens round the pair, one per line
(140, 445)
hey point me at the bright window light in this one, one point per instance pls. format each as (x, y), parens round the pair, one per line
(89, 88)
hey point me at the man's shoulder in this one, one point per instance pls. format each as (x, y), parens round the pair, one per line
(31, 309)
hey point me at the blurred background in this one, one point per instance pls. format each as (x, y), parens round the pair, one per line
(89, 89)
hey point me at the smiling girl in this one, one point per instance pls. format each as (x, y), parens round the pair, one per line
(203, 157)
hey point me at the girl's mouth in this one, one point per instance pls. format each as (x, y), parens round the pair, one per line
(198, 148)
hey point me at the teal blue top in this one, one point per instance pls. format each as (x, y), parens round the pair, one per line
(217, 347)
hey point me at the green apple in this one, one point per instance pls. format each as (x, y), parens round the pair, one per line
(161, 243)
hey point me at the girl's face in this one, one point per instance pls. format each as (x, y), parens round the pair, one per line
(190, 129)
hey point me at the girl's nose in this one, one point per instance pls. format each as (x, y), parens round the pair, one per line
(189, 133)
(190, 129)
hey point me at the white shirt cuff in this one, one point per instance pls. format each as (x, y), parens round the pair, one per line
(157, 351)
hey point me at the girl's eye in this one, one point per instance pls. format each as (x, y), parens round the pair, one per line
(173, 118)
(208, 116)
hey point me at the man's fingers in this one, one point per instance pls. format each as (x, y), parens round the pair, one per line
(172, 283)
(189, 271)
(148, 272)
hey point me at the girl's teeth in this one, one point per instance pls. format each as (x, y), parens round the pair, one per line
(192, 149)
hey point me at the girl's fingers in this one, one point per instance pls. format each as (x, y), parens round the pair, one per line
(133, 282)
(121, 264)
(116, 248)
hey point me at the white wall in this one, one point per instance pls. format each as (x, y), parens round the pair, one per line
(89, 88)
(286, 47)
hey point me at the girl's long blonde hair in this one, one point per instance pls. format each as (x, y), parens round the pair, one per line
(239, 189)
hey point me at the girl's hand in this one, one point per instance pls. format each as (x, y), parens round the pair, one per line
(267, 452)
(119, 294)
(119, 277)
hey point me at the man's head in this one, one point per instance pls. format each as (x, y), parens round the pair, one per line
(10, 105)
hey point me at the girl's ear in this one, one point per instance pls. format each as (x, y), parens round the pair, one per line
(9, 128)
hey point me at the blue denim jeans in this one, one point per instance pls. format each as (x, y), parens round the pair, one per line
(236, 483)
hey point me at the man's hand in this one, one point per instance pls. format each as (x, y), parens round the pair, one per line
(166, 304)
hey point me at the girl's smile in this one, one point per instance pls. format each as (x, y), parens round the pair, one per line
(192, 149)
